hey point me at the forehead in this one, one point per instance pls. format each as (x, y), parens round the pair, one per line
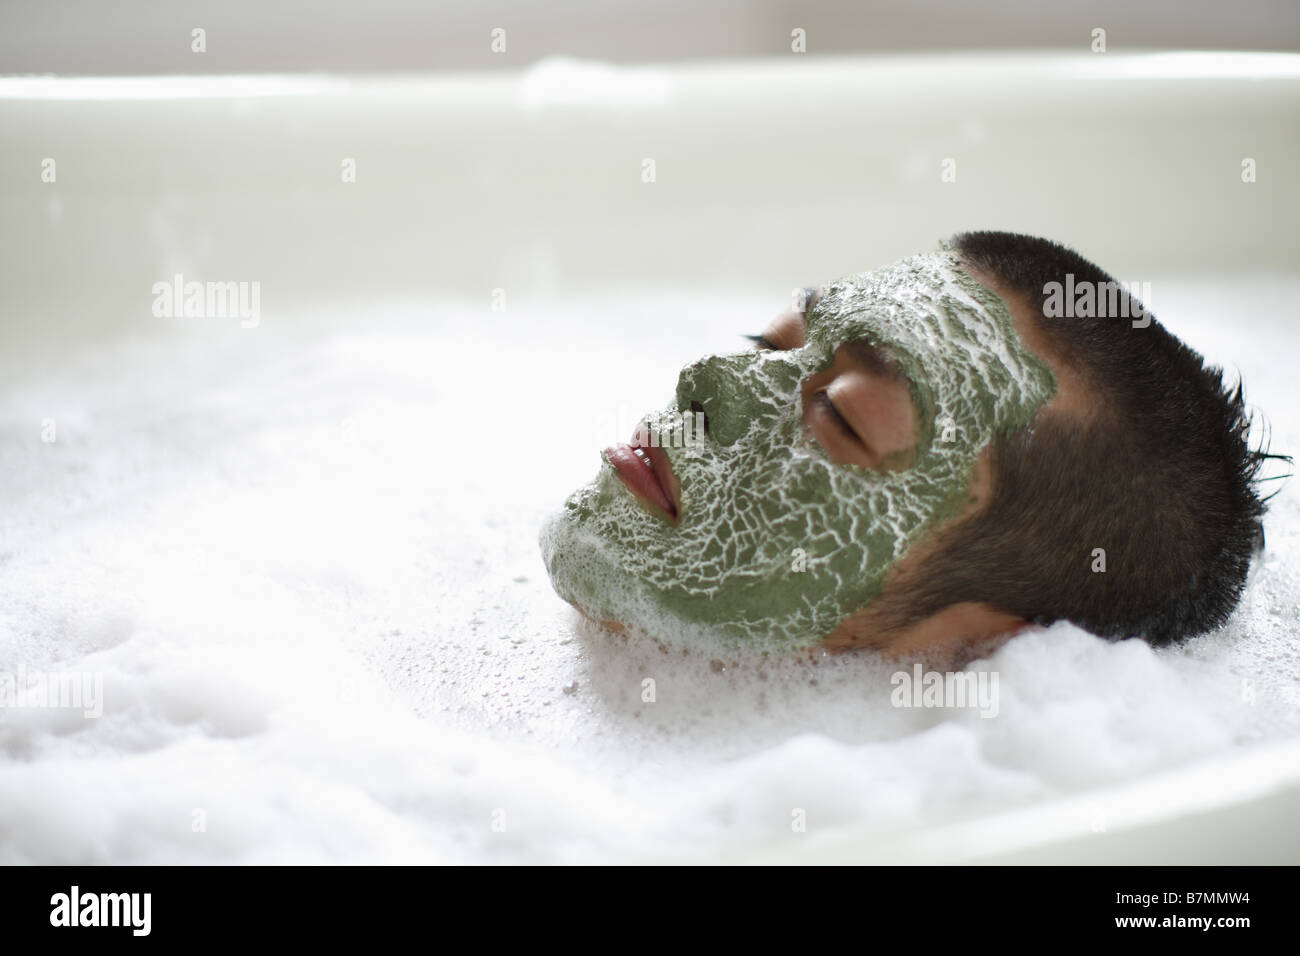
(924, 304)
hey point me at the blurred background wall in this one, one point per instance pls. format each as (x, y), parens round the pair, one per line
(526, 170)
(145, 36)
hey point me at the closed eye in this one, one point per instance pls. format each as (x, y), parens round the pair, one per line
(860, 410)
(823, 399)
(789, 329)
(872, 421)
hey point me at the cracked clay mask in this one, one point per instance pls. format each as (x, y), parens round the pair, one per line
(776, 543)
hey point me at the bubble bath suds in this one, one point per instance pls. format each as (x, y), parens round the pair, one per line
(311, 583)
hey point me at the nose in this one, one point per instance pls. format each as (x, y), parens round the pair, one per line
(701, 416)
(719, 387)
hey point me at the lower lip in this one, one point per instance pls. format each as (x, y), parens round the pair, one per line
(639, 478)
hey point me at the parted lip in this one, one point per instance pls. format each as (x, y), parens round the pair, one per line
(646, 472)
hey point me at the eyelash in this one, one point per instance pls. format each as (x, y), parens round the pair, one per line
(841, 422)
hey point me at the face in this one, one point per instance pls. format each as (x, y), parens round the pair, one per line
(824, 460)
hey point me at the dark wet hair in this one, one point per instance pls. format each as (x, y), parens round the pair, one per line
(1161, 478)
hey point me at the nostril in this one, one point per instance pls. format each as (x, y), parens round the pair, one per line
(698, 410)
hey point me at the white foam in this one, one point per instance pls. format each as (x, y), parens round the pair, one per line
(304, 558)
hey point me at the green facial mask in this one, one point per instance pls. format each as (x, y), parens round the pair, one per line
(776, 543)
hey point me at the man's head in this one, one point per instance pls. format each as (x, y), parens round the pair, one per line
(1130, 510)
(916, 457)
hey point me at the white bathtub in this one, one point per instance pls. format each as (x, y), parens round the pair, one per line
(297, 549)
